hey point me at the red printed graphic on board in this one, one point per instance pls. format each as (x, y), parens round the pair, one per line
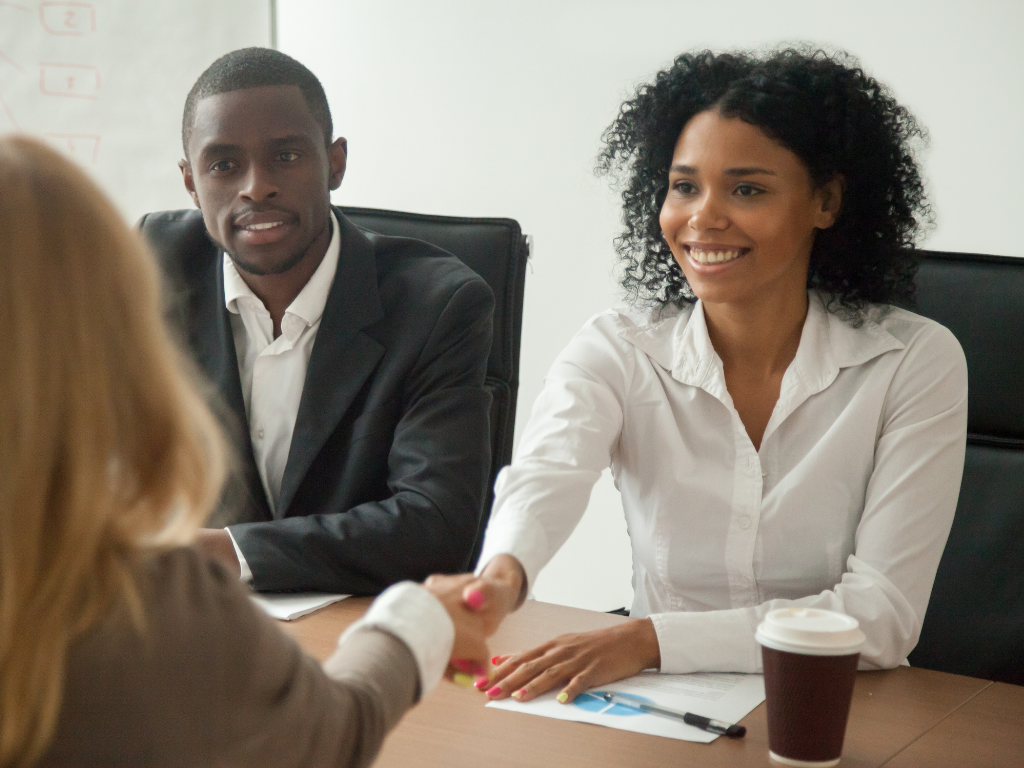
(68, 18)
(79, 81)
(83, 147)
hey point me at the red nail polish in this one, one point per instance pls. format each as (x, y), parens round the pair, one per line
(495, 691)
(481, 683)
(495, 660)
(474, 598)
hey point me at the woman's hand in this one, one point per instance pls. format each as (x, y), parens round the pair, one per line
(469, 653)
(577, 662)
(499, 590)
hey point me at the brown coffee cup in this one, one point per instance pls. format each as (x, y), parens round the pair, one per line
(810, 663)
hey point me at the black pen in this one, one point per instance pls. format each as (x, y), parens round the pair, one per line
(698, 721)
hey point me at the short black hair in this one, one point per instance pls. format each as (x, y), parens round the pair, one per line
(254, 68)
(820, 106)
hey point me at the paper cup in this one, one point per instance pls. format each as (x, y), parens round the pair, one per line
(810, 663)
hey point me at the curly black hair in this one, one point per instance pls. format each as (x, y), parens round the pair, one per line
(824, 109)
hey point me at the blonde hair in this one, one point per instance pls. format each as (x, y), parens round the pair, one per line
(106, 450)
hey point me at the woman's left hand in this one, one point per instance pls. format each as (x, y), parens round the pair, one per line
(577, 662)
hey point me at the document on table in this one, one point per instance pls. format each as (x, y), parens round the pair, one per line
(292, 605)
(722, 696)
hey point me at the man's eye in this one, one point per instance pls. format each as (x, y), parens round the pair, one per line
(221, 166)
(289, 157)
(745, 190)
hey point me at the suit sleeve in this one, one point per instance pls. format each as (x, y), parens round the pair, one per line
(437, 474)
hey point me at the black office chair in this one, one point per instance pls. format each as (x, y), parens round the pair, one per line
(975, 620)
(497, 251)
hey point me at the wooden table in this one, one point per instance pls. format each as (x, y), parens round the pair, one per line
(900, 718)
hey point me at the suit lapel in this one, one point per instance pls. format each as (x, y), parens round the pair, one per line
(342, 358)
(214, 348)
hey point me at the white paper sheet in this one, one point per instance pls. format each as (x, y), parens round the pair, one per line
(728, 697)
(292, 605)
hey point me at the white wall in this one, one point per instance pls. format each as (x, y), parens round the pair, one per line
(478, 107)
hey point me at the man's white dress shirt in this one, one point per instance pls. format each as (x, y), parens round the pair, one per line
(273, 371)
(846, 506)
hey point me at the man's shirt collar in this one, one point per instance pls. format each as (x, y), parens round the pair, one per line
(308, 307)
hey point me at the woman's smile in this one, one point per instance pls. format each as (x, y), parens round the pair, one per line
(707, 254)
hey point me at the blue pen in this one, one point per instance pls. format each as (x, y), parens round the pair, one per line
(698, 721)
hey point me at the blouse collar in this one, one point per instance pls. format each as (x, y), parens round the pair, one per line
(678, 341)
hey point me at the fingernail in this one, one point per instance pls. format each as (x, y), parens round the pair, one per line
(495, 691)
(462, 679)
(474, 598)
(563, 697)
(495, 660)
(519, 694)
(463, 665)
(481, 683)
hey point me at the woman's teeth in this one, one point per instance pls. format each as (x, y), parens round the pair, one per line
(713, 257)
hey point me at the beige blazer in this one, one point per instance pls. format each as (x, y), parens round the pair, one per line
(213, 682)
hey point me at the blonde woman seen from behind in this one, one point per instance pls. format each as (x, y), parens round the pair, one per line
(118, 644)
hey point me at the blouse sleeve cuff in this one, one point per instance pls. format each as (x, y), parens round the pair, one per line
(521, 539)
(417, 618)
(706, 641)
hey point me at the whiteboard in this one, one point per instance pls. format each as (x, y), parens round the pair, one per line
(105, 81)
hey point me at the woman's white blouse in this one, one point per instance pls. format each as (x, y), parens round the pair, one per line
(846, 506)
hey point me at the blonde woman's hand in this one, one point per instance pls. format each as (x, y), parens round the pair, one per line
(577, 662)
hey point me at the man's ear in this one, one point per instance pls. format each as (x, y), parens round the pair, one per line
(190, 183)
(831, 196)
(337, 156)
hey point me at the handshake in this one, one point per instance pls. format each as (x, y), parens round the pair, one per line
(478, 604)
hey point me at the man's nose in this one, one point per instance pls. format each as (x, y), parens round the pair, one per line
(259, 184)
(708, 213)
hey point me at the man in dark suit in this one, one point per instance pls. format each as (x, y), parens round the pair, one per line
(349, 366)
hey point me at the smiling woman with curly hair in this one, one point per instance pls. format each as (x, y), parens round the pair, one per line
(834, 117)
(780, 434)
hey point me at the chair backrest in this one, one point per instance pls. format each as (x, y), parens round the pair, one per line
(975, 620)
(497, 251)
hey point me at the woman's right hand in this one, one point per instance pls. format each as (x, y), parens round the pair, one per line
(497, 591)
(469, 652)
(477, 605)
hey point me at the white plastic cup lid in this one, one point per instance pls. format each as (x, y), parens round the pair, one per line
(812, 631)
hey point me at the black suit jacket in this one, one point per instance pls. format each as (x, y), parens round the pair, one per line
(387, 471)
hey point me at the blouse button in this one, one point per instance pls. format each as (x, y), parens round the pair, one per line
(259, 433)
(743, 522)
